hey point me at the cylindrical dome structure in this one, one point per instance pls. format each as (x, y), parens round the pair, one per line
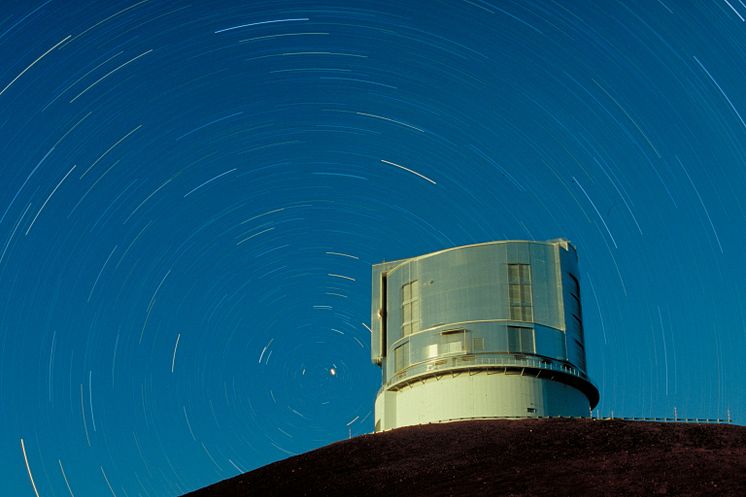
(480, 331)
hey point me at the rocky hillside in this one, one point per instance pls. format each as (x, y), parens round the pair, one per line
(542, 457)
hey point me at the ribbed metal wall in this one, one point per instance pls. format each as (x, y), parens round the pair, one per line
(492, 329)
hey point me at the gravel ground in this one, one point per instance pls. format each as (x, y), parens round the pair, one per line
(542, 457)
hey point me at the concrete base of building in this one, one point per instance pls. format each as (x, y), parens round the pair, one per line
(475, 395)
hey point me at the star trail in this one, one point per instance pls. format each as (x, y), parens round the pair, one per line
(192, 195)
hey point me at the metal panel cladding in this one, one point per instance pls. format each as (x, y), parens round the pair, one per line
(478, 308)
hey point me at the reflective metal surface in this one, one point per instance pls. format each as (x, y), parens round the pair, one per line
(478, 307)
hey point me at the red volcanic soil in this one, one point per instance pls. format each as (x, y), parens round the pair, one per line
(539, 457)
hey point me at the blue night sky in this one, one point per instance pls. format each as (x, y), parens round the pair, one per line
(192, 195)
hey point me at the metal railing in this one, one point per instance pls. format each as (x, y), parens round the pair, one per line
(710, 421)
(456, 362)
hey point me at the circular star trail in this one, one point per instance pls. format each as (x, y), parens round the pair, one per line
(192, 195)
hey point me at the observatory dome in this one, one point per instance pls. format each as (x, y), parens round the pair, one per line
(480, 331)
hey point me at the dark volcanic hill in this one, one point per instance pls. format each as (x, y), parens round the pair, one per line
(542, 457)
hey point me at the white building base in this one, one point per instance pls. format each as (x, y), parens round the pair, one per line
(474, 395)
